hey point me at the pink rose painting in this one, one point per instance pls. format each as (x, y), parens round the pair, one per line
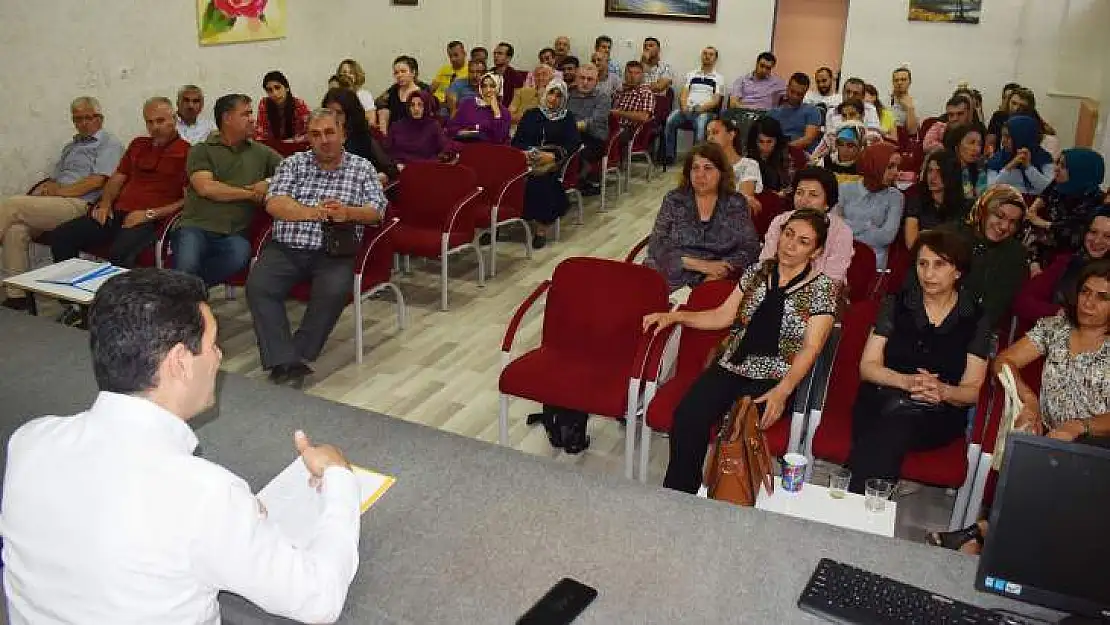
(234, 21)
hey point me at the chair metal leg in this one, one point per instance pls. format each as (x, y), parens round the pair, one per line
(443, 273)
(645, 451)
(963, 495)
(358, 318)
(503, 420)
(581, 210)
(630, 427)
(481, 265)
(492, 249)
(978, 488)
(527, 240)
(604, 181)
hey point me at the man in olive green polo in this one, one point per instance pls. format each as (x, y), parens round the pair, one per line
(228, 175)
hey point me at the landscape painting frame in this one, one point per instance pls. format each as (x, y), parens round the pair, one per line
(703, 11)
(946, 11)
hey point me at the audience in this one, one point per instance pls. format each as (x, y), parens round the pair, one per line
(801, 123)
(591, 112)
(1044, 293)
(1060, 215)
(1021, 162)
(320, 200)
(455, 68)
(561, 47)
(768, 147)
(956, 111)
(78, 178)
(464, 88)
(816, 189)
(999, 117)
(937, 198)
(360, 140)
(657, 73)
(546, 57)
(147, 187)
(851, 114)
(569, 67)
(698, 102)
(853, 90)
(335, 81)
(479, 53)
(704, 230)
(824, 94)
(761, 89)
(481, 117)
(901, 102)
(781, 313)
(842, 160)
(634, 102)
(923, 364)
(353, 72)
(872, 207)
(419, 136)
(527, 97)
(111, 515)
(511, 79)
(228, 175)
(965, 142)
(887, 122)
(604, 45)
(725, 133)
(392, 105)
(190, 125)
(550, 135)
(609, 80)
(281, 115)
(997, 256)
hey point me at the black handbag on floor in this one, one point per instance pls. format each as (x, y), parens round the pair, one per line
(341, 240)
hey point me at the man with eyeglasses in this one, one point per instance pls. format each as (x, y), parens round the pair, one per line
(190, 125)
(147, 187)
(78, 178)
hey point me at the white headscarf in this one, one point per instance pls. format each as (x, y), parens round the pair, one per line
(554, 114)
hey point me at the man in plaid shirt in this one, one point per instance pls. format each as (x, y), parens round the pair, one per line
(634, 103)
(310, 191)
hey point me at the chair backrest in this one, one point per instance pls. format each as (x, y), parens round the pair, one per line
(375, 260)
(428, 195)
(287, 148)
(844, 376)
(637, 249)
(694, 346)
(862, 272)
(772, 206)
(926, 124)
(799, 158)
(664, 102)
(642, 137)
(595, 309)
(571, 168)
(502, 171)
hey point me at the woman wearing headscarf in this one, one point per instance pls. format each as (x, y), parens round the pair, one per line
(872, 207)
(281, 115)
(998, 266)
(482, 118)
(1021, 162)
(419, 137)
(550, 135)
(843, 160)
(1060, 215)
(360, 141)
(1044, 294)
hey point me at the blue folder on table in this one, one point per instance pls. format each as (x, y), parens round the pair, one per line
(86, 279)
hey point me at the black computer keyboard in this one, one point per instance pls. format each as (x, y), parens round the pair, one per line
(845, 594)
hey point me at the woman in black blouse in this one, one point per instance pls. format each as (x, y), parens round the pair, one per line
(769, 147)
(938, 198)
(360, 141)
(392, 105)
(922, 366)
(781, 312)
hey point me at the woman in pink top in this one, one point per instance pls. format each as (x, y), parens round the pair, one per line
(816, 188)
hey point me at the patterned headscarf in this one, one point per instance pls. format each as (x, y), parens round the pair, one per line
(554, 114)
(992, 198)
(497, 80)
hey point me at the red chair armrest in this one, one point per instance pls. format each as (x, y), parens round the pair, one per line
(449, 226)
(639, 247)
(382, 230)
(643, 351)
(35, 187)
(261, 242)
(518, 316)
(508, 185)
(656, 351)
(574, 158)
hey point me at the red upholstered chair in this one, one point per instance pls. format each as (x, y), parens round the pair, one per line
(799, 158)
(611, 160)
(640, 147)
(287, 148)
(569, 177)
(373, 270)
(502, 174)
(771, 206)
(436, 205)
(257, 233)
(830, 420)
(926, 124)
(637, 249)
(592, 347)
(898, 265)
(862, 273)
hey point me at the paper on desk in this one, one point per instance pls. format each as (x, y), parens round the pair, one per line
(84, 274)
(296, 507)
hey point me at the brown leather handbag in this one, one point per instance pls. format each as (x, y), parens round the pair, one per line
(740, 461)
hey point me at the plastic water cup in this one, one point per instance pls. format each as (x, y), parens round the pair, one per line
(876, 492)
(838, 483)
(793, 472)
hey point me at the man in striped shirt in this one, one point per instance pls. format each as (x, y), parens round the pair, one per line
(698, 102)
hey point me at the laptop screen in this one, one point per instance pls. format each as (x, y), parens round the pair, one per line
(1049, 537)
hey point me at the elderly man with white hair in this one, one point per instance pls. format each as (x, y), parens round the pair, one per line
(83, 168)
(191, 126)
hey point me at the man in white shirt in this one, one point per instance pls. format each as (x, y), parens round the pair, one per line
(824, 94)
(699, 99)
(853, 90)
(107, 515)
(190, 125)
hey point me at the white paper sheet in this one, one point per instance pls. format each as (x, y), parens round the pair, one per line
(295, 506)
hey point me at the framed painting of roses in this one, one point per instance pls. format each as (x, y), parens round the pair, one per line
(238, 21)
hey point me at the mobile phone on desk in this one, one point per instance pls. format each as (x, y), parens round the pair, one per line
(561, 605)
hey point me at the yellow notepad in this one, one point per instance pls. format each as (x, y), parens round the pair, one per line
(295, 506)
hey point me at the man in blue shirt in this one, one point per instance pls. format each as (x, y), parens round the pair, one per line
(801, 123)
(463, 88)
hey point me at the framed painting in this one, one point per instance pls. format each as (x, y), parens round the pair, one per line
(240, 21)
(952, 11)
(684, 10)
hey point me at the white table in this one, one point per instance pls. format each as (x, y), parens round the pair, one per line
(32, 282)
(814, 503)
